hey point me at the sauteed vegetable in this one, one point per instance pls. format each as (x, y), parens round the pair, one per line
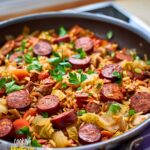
(68, 87)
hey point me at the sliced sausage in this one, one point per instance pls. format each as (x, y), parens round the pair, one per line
(6, 128)
(29, 86)
(79, 63)
(18, 100)
(140, 102)
(122, 56)
(65, 38)
(108, 70)
(85, 43)
(34, 76)
(49, 103)
(64, 119)
(82, 95)
(15, 56)
(42, 48)
(92, 107)
(142, 76)
(8, 47)
(89, 133)
(112, 92)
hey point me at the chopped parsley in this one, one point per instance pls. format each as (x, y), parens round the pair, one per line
(23, 45)
(118, 75)
(34, 66)
(54, 60)
(24, 131)
(62, 31)
(90, 71)
(45, 114)
(81, 112)
(79, 88)
(81, 53)
(131, 112)
(28, 59)
(109, 35)
(75, 79)
(2, 82)
(11, 86)
(114, 108)
(64, 85)
(35, 143)
(19, 59)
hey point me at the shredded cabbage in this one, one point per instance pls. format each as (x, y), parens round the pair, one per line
(59, 93)
(43, 127)
(106, 121)
(72, 132)
(60, 139)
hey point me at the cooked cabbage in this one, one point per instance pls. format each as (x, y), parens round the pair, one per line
(3, 106)
(59, 93)
(43, 127)
(106, 121)
(60, 139)
(72, 132)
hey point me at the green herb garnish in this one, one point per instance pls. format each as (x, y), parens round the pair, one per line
(131, 112)
(81, 53)
(54, 60)
(2, 82)
(11, 86)
(114, 108)
(75, 79)
(28, 59)
(81, 112)
(24, 131)
(64, 85)
(118, 75)
(45, 114)
(35, 143)
(23, 45)
(62, 31)
(79, 88)
(90, 71)
(34, 66)
(109, 35)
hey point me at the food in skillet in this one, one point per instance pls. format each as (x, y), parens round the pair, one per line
(70, 88)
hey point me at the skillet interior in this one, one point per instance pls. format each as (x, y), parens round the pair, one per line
(124, 34)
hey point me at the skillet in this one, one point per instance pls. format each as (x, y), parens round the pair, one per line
(124, 34)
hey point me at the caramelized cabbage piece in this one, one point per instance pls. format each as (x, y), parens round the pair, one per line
(105, 121)
(3, 106)
(43, 127)
(60, 139)
(59, 93)
(72, 133)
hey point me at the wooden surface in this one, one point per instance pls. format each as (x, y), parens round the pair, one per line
(13, 9)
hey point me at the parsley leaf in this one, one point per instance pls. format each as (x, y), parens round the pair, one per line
(90, 72)
(24, 131)
(35, 143)
(2, 82)
(118, 75)
(64, 85)
(62, 31)
(81, 112)
(109, 35)
(54, 60)
(34, 66)
(45, 114)
(131, 112)
(79, 88)
(23, 45)
(28, 59)
(11, 86)
(81, 53)
(74, 79)
(65, 64)
(114, 108)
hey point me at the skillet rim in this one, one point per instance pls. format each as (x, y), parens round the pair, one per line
(105, 19)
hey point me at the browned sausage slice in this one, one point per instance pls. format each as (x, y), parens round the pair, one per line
(111, 92)
(8, 47)
(65, 38)
(140, 102)
(92, 107)
(89, 133)
(79, 63)
(85, 43)
(19, 100)
(6, 128)
(64, 119)
(82, 95)
(49, 103)
(108, 70)
(15, 56)
(122, 56)
(42, 48)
